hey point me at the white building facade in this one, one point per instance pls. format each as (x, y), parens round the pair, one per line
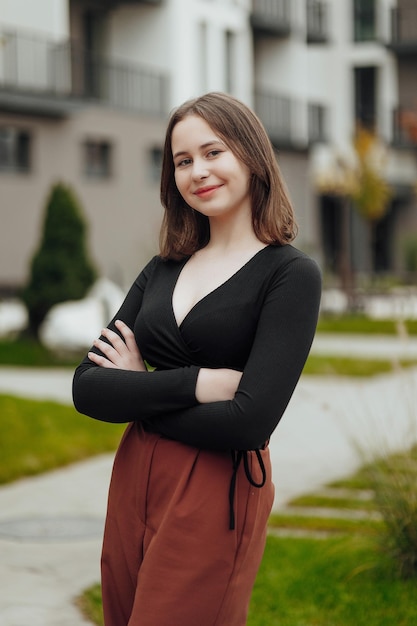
(86, 87)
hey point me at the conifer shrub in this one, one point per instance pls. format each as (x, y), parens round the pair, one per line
(60, 269)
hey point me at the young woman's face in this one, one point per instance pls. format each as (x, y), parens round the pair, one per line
(207, 174)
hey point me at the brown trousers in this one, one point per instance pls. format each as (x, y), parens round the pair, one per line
(169, 558)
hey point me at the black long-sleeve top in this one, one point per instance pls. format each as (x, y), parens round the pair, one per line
(260, 321)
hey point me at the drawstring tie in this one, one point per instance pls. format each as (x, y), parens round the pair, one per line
(237, 456)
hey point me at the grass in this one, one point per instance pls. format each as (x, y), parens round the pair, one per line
(28, 352)
(321, 365)
(362, 325)
(323, 525)
(91, 606)
(305, 582)
(335, 502)
(38, 436)
(341, 579)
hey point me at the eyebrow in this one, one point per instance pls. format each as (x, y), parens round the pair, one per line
(202, 147)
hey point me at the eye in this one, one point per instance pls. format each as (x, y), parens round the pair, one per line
(183, 163)
(214, 153)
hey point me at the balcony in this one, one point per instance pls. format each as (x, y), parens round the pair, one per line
(317, 123)
(113, 4)
(45, 77)
(404, 127)
(404, 31)
(271, 18)
(317, 22)
(282, 117)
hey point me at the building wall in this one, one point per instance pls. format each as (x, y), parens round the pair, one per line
(295, 169)
(186, 39)
(123, 212)
(200, 45)
(44, 16)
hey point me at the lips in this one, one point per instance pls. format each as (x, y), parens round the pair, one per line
(203, 192)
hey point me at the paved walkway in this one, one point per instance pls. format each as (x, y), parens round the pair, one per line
(51, 525)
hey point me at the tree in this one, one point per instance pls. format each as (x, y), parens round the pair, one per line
(357, 180)
(370, 193)
(60, 268)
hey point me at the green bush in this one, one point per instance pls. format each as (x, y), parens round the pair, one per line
(394, 481)
(60, 269)
(410, 254)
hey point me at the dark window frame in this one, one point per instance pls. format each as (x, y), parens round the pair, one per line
(365, 95)
(15, 149)
(155, 156)
(97, 159)
(364, 20)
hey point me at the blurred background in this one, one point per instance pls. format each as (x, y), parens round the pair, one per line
(86, 87)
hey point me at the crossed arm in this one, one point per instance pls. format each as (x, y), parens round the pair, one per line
(213, 385)
(207, 408)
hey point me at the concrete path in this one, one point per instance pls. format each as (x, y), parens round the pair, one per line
(51, 525)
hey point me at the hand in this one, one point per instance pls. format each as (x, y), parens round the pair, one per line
(215, 385)
(119, 354)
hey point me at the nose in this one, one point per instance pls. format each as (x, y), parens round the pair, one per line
(200, 170)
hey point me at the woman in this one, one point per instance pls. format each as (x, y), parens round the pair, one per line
(225, 315)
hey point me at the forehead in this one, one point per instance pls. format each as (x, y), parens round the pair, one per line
(192, 131)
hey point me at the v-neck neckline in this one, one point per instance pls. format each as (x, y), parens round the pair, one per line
(210, 293)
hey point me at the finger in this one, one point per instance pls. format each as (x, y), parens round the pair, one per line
(115, 340)
(107, 349)
(100, 360)
(128, 336)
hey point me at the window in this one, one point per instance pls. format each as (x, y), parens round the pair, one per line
(365, 96)
(316, 123)
(364, 20)
(230, 60)
(203, 61)
(316, 21)
(97, 159)
(155, 163)
(14, 149)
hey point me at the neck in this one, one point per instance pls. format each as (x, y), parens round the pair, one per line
(232, 233)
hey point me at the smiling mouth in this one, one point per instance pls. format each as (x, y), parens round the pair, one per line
(206, 191)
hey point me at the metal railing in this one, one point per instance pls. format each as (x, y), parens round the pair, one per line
(317, 123)
(62, 69)
(291, 123)
(317, 21)
(276, 113)
(271, 16)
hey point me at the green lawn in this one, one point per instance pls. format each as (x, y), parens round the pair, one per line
(24, 351)
(342, 578)
(338, 580)
(28, 353)
(362, 325)
(39, 436)
(332, 582)
(322, 365)
(308, 582)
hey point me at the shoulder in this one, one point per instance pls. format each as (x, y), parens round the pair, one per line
(289, 258)
(291, 273)
(158, 267)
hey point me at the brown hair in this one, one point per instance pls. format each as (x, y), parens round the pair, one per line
(183, 230)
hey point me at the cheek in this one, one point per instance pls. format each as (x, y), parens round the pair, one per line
(180, 181)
